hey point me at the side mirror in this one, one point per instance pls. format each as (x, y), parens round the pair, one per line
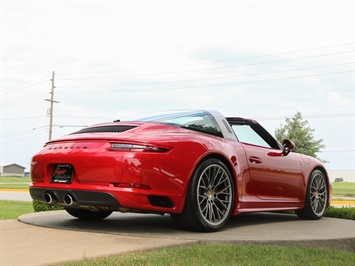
(287, 146)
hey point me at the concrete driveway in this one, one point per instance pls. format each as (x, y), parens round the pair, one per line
(59, 237)
(54, 237)
(245, 227)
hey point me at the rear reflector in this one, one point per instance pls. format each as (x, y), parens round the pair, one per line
(131, 185)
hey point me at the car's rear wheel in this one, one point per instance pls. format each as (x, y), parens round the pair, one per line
(209, 200)
(316, 197)
(88, 214)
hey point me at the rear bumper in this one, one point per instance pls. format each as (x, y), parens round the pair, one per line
(81, 198)
(122, 200)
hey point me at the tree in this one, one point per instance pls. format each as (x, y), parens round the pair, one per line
(297, 130)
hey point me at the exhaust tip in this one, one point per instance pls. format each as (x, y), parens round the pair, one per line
(49, 198)
(69, 199)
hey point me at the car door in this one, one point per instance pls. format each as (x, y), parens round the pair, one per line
(274, 175)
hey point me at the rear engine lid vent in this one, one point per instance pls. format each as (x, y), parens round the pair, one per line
(104, 129)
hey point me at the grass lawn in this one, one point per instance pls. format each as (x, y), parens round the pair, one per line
(228, 254)
(14, 179)
(344, 188)
(11, 182)
(10, 209)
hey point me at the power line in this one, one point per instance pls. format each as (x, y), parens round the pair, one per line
(12, 134)
(209, 85)
(212, 61)
(307, 116)
(213, 78)
(257, 118)
(336, 151)
(18, 88)
(23, 138)
(44, 128)
(23, 118)
(224, 67)
(23, 98)
(85, 117)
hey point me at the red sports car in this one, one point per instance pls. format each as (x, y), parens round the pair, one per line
(198, 166)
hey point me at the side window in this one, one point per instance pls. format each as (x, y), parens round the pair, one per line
(246, 134)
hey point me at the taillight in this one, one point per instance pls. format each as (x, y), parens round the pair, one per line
(137, 147)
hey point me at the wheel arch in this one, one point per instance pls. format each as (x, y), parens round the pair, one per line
(183, 219)
(322, 169)
(310, 209)
(325, 173)
(226, 162)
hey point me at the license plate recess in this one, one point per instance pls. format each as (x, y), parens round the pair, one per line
(62, 173)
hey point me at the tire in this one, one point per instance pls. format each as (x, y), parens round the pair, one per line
(209, 199)
(316, 197)
(88, 214)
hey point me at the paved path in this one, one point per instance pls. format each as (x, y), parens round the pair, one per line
(55, 237)
(245, 227)
(23, 244)
(18, 195)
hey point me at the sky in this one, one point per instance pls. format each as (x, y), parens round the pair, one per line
(111, 60)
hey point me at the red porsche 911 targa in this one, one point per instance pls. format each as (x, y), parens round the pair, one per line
(195, 165)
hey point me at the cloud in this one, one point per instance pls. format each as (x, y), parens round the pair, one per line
(118, 59)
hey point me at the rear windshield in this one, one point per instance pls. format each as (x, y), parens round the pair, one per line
(201, 121)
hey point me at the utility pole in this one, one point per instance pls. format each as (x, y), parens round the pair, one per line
(51, 100)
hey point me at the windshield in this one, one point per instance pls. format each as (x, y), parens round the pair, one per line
(201, 121)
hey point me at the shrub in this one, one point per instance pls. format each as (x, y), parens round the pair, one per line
(332, 212)
(342, 213)
(40, 206)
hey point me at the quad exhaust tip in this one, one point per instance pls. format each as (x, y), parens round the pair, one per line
(69, 199)
(49, 198)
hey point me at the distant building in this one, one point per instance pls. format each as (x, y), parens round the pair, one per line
(12, 170)
(345, 175)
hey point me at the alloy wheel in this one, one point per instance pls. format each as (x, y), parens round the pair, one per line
(214, 194)
(318, 194)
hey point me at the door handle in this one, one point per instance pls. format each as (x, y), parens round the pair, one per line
(255, 160)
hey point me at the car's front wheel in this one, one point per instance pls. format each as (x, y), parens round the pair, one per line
(316, 197)
(88, 214)
(209, 200)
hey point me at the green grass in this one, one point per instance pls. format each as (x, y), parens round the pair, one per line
(344, 188)
(14, 179)
(11, 182)
(10, 209)
(228, 254)
(14, 186)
